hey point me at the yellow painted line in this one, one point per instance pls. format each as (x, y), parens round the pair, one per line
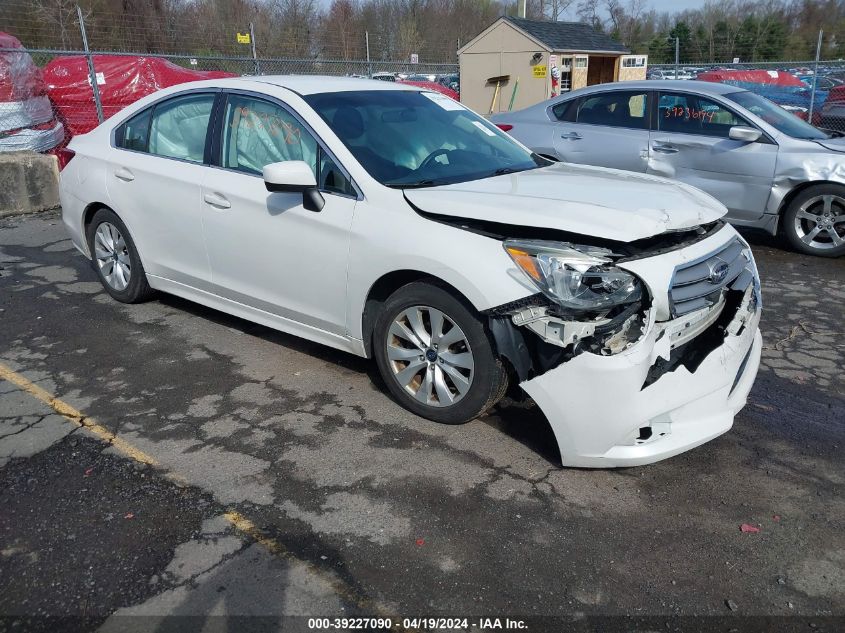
(70, 413)
(237, 520)
(244, 525)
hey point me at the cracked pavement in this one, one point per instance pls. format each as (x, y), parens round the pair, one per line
(374, 509)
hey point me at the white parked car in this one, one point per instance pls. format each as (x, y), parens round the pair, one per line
(393, 223)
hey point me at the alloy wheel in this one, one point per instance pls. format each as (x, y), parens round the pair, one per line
(430, 356)
(112, 255)
(820, 222)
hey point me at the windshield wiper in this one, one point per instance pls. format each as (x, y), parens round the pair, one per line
(412, 185)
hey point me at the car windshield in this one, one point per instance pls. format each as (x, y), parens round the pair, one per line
(776, 116)
(419, 139)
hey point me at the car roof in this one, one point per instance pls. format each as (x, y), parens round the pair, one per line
(316, 84)
(708, 87)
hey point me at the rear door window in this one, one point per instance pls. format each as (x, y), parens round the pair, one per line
(180, 125)
(619, 108)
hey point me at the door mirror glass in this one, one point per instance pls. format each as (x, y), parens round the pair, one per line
(744, 133)
(289, 175)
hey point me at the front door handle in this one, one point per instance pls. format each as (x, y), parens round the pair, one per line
(124, 174)
(664, 148)
(216, 200)
(571, 136)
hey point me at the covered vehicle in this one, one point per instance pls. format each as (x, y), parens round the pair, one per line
(782, 88)
(394, 223)
(771, 169)
(432, 85)
(26, 116)
(121, 79)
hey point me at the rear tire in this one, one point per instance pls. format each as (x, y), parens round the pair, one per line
(814, 222)
(435, 354)
(115, 258)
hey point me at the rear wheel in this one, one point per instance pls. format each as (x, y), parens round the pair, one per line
(814, 222)
(435, 355)
(116, 259)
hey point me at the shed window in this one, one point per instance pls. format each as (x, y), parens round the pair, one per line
(580, 62)
(634, 62)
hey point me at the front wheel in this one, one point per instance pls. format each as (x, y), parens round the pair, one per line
(436, 356)
(814, 222)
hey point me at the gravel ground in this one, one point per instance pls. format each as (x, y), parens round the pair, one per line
(284, 482)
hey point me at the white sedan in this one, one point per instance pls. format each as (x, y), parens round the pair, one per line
(393, 223)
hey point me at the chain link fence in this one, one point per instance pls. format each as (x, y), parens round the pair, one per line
(65, 69)
(40, 114)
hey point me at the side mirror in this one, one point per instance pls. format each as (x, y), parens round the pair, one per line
(290, 176)
(744, 133)
(294, 176)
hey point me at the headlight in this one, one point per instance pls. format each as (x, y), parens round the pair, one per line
(581, 279)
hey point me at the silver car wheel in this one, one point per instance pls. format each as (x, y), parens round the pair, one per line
(820, 222)
(112, 256)
(430, 356)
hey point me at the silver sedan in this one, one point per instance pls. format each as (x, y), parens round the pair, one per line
(768, 167)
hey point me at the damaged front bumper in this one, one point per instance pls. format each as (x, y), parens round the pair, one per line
(677, 386)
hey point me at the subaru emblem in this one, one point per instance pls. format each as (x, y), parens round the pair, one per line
(718, 272)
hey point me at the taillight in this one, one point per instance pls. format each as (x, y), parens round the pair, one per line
(64, 156)
(505, 127)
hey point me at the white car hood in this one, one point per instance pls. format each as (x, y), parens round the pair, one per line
(592, 201)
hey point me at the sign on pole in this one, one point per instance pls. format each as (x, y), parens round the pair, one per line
(243, 38)
(415, 58)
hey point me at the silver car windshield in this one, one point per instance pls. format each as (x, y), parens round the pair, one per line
(777, 117)
(419, 139)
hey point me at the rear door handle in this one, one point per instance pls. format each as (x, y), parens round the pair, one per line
(571, 136)
(216, 200)
(124, 174)
(664, 148)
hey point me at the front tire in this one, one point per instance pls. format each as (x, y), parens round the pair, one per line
(435, 355)
(814, 222)
(115, 258)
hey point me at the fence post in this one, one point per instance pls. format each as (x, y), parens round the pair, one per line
(254, 54)
(677, 55)
(815, 78)
(369, 65)
(92, 75)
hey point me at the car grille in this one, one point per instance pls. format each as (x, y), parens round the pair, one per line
(700, 284)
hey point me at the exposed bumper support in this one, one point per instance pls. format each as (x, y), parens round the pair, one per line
(602, 416)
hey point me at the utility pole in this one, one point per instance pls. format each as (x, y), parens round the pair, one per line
(369, 65)
(677, 55)
(92, 75)
(815, 78)
(254, 55)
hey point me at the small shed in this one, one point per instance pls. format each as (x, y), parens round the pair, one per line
(544, 58)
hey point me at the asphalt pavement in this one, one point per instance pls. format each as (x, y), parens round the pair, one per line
(165, 459)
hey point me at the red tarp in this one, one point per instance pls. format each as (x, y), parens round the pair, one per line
(122, 80)
(770, 77)
(432, 85)
(20, 78)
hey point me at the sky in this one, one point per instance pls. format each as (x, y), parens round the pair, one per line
(661, 6)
